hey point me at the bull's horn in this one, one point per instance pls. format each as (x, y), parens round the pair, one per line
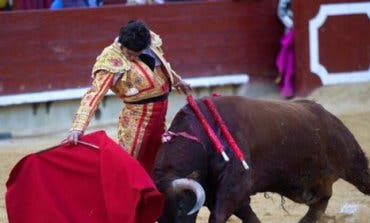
(189, 184)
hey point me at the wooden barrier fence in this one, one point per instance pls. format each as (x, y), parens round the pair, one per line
(42, 50)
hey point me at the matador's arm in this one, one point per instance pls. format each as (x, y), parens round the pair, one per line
(101, 83)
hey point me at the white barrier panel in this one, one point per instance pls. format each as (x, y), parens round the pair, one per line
(315, 23)
(76, 93)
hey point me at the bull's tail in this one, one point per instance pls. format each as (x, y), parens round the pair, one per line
(357, 171)
(354, 164)
(350, 160)
(354, 167)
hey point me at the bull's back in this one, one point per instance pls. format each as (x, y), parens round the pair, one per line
(286, 140)
(268, 126)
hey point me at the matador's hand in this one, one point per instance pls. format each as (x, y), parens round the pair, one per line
(182, 86)
(74, 136)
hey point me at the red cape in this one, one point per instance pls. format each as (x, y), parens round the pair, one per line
(81, 184)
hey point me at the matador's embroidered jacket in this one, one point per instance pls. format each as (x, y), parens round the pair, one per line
(133, 82)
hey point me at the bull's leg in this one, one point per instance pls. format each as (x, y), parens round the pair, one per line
(319, 203)
(228, 199)
(315, 211)
(246, 213)
(221, 212)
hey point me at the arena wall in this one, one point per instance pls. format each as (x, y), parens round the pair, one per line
(332, 43)
(44, 50)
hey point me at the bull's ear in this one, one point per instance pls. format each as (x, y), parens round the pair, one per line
(194, 175)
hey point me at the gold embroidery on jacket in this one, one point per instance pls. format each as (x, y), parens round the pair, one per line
(112, 60)
(132, 124)
(148, 83)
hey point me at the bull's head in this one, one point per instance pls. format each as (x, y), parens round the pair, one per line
(184, 198)
(180, 164)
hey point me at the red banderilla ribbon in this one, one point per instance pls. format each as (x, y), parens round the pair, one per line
(168, 136)
(211, 134)
(225, 131)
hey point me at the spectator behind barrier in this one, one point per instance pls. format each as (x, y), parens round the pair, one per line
(59, 4)
(285, 59)
(143, 2)
(5, 5)
(31, 4)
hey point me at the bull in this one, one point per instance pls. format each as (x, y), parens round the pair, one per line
(294, 148)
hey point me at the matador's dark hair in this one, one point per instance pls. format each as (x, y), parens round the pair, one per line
(135, 36)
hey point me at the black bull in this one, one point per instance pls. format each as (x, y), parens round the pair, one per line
(296, 149)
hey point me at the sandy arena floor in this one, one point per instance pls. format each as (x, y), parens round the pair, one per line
(351, 103)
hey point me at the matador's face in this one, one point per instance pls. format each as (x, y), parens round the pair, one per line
(130, 54)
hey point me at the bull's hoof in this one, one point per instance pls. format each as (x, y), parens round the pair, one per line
(307, 220)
